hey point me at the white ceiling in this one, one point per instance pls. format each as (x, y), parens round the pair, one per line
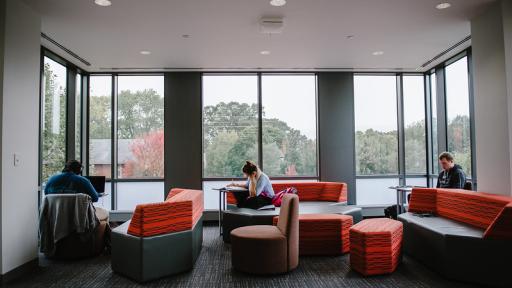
(224, 33)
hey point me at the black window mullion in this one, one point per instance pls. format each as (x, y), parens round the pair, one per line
(442, 123)
(472, 120)
(113, 138)
(260, 124)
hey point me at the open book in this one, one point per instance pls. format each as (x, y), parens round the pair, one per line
(233, 189)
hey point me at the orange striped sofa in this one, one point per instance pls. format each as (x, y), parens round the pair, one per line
(469, 236)
(314, 198)
(161, 238)
(310, 191)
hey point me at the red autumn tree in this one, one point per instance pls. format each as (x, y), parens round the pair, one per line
(148, 156)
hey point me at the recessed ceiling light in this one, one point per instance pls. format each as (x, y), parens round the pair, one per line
(265, 52)
(442, 6)
(103, 3)
(185, 36)
(378, 53)
(277, 3)
(350, 37)
(145, 52)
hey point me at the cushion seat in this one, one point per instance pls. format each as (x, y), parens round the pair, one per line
(259, 232)
(443, 226)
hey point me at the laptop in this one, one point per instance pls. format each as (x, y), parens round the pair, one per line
(98, 182)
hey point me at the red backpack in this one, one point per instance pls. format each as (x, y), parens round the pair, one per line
(278, 197)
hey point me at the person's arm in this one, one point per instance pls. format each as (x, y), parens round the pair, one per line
(438, 185)
(457, 180)
(89, 190)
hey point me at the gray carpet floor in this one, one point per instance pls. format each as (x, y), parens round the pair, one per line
(213, 269)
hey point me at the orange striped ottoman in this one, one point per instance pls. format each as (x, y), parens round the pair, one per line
(323, 234)
(375, 246)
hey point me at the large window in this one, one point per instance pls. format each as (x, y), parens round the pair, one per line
(139, 138)
(140, 114)
(457, 113)
(54, 118)
(376, 125)
(100, 126)
(231, 131)
(414, 125)
(289, 125)
(230, 124)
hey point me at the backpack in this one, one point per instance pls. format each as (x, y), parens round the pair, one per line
(276, 201)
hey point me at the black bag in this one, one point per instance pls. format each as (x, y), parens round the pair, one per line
(390, 212)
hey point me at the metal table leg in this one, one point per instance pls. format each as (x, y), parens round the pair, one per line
(397, 203)
(220, 213)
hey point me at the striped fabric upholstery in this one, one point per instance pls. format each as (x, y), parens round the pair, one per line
(375, 246)
(501, 228)
(178, 213)
(323, 234)
(473, 208)
(310, 191)
(334, 191)
(423, 200)
(174, 192)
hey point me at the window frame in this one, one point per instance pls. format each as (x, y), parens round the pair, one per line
(259, 103)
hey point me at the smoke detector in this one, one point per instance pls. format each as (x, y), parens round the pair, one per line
(273, 25)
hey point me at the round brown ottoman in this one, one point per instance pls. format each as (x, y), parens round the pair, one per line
(259, 249)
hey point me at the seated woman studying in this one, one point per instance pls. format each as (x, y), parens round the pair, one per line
(260, 192)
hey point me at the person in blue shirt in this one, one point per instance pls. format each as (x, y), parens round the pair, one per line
(70, 181)
(260, 192)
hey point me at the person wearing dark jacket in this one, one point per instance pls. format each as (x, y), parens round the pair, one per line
(452, 175)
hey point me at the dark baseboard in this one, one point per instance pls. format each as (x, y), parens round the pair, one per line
(20, 271)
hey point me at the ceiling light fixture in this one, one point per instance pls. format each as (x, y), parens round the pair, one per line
(103, 3)
(185, 36)
(278, 3)
(145, 52)
(350, 37)
(265, 52)
(442, 6)
(378, 53)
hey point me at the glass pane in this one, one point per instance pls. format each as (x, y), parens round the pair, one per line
(435, 146)
(140, 114)
(129, 194)
(420, 182)
(375, 191)
(289, 125)
(105, 201)
(230, 124)
(78, 117)
(54, 118)
(100, 118)
(414, 124)
(376, 125)
(457, 110)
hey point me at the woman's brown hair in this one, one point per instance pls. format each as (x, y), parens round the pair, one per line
(249, 168)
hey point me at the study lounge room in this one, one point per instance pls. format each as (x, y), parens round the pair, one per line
(256, 143)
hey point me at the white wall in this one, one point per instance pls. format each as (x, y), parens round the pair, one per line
(493, 129)
(507, 38)
(20, 128)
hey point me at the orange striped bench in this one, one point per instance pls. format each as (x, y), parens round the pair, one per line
(161, 239)
(469, 236)
(323, 234)
(310, 191)
(375, 246)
